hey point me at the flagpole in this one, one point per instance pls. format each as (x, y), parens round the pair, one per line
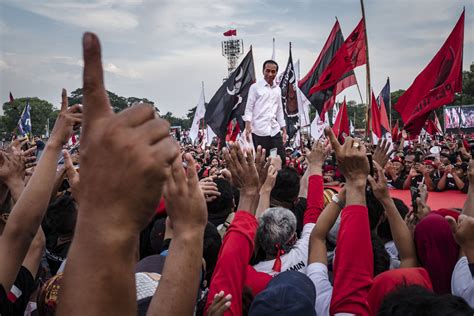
(390, 104)
(367, 65)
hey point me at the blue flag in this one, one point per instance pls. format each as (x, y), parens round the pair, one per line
(385, 95)
(24, 124)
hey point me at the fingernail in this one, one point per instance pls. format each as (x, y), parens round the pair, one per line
(221, 293)
(87, 40)
(227, 304)
(228, 296)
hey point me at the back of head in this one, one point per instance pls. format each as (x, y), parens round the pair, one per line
(61, 215)
(383, 230)
(287, 187)
(289, 293)
(212, 245)
(391, 280)
(219, 208)
(276, 229)
(416, 300)
(437, 250)
(381, 256)
(375, 209)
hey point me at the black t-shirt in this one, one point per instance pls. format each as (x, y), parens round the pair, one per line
(298, 210)
(14, 303)
(56, 256)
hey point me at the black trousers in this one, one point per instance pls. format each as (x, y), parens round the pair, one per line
(270, 142)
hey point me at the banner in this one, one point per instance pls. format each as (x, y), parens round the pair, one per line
(459, 117)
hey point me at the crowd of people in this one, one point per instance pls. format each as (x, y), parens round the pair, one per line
(136, 222)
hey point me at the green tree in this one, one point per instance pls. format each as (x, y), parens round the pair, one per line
(41, 112)
(118, 103)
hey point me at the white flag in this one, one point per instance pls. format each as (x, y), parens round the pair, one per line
(210, 135)
(351, 128)
(335, 110)
(317, 127)
(303, 102)
(198, 115)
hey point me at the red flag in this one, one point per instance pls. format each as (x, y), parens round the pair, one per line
(437, 124)
(376, 120)
(230, 33)
(351, 55)
(11, 98)
(383, 116)
(341, 126)
(436, 85)
(395, 132)
(430, 127)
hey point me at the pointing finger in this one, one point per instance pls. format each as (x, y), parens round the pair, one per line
(96, 102)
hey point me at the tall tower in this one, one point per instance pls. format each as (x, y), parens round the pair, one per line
(232, 49)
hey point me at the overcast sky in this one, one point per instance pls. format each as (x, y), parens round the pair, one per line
(162, 50)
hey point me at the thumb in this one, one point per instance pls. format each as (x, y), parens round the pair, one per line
(372, 181)
(452, 223)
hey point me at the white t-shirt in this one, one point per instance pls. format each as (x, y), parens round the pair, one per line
(318, 273)
(296, 259)
(393, 253)
(462, 282)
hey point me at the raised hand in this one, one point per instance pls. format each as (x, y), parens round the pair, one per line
(125, 161)
(261, 164)
(185, 203)
(380, 154)
(463, 231)
(68, 118)
(351, 158)
(209, 189)
(125, 157)
(12, 167)
(243, 169)
(72, 175)
(379, 184)
(220, 304)
(317, 155)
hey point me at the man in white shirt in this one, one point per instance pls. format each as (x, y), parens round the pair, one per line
(264, 112)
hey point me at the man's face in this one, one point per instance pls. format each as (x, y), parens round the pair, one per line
(409, 162)
(269, 73)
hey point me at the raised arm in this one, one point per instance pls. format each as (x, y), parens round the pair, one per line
(125, 160)
(237, 248)
(187, 211)
(317, 243)
(400, 232)
(29, 210)
(354, 264)
(469, 204)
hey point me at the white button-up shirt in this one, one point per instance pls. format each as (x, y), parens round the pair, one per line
(264, 109)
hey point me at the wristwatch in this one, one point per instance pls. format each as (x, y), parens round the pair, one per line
(335, 198)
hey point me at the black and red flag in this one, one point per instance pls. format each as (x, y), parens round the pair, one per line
(11, 98)
(229, 101)
(351, 55)
(436, 85)
(324, 100)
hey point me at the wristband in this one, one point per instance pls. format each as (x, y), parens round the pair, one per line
(335, 198)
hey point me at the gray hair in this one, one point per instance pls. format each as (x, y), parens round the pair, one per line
(277, 226)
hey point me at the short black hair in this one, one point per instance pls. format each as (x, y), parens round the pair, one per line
(287, 185)
(61, 215)
(376, 209)
(222, 206)
(383, 230)
(211, 247)
(381, 256)
(269, 61)
(415, 300)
